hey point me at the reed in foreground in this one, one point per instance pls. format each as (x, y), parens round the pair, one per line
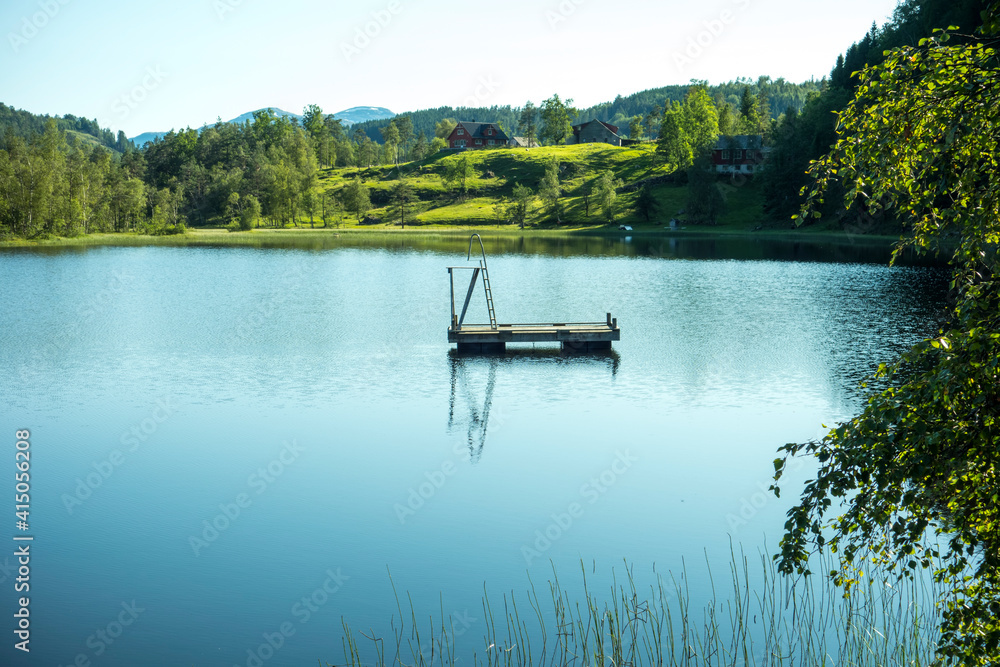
(764, 619)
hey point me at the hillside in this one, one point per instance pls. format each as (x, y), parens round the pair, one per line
(25, 124)
(497, 172)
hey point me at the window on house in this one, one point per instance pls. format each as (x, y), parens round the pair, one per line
(725, 155)
(492, 142)
(461, 131)
(479, 142)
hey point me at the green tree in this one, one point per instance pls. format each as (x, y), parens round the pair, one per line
(233, 207)
(250, 213)
(345, 153)
(457, 174)
(310, 199)
(391, 139)
(673, 147)
(420, 148)
(402, 198)
(912, 482)
(652, 121)
(606, 193)
(337, 204)
(556, 120)
(705, 202)
(635, 128)
(367, 152)
(500, 211)
(700, 119)
(315, 126)
(748, 103)
(355, 195)
(750, 120)
(437, 145)
(727, 120)
(358, 136)
(765, 123)
(520, 205)
(527, 123)
(404, 125)
(646, 204)
(335, 128)
(548, 189)
(444, 127)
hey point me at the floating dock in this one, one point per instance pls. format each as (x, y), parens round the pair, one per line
(573, 336)
(493, 337)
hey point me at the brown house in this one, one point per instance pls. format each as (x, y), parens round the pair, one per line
(477, 135)
(595, 131)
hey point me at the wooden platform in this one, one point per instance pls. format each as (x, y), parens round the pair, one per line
(572, 336)
(493, 337)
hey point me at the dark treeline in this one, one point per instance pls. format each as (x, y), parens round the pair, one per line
(804, 136)
(781, 95)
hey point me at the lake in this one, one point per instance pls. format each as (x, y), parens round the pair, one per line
(228, 441)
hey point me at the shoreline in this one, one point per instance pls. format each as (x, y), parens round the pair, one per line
(219, 236)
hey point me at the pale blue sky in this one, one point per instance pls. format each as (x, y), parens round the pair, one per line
(156, 65)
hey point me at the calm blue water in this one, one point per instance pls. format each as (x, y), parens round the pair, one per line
(306, 403)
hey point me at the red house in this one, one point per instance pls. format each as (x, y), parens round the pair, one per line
(739, 154)
(477, 135)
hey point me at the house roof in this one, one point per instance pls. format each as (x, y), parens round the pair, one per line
(612, 128)
(739, 142)
(475, 130)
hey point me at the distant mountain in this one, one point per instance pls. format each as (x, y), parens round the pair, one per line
(277, 112)
(362, 114)
(348, 116)
(141, 140)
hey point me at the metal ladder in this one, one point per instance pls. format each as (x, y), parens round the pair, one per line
(486, 280)
(489, 295)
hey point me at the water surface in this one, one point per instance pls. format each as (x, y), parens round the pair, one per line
(306, 403)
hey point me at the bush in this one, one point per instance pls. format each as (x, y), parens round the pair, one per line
(166, 230)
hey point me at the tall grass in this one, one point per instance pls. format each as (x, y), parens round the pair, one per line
(766, 620)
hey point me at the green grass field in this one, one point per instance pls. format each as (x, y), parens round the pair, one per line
(499, 170)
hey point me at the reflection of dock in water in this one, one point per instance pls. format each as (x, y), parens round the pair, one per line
(479, 418)
(466, 390)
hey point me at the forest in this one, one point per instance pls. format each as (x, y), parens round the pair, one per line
(782, 95)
